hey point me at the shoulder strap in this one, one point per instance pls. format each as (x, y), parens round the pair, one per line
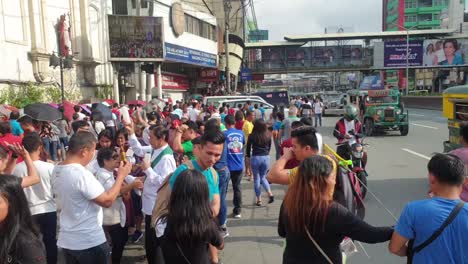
(439, 231)
(166, 151)
(317, 246)
(215, 175)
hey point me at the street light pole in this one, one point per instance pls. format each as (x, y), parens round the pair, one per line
(407, 61)
(61, 79)
(227, 10)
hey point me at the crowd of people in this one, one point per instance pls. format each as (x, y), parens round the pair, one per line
(169, 169)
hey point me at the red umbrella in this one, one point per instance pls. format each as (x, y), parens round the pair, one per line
(109, 101)
(68, 110)
(137, 102)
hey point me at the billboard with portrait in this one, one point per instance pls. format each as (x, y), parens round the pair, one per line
(136, 38)
(448, 52)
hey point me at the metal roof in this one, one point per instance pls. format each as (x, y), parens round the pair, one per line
(273, 44)
(370, 35)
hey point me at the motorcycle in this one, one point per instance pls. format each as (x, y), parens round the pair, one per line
(357, 157)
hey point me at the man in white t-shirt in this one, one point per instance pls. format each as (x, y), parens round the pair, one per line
(77, 109)
(40, 199)
(318, 109)
(80, 197)
(194, 112)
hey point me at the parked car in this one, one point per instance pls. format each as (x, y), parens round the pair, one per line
(333, 104)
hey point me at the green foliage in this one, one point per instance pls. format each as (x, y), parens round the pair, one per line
(103, 91)
(23, 95)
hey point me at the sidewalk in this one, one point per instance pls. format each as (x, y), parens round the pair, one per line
(252, 239)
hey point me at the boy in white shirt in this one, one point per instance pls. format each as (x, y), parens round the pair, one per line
(40, 198)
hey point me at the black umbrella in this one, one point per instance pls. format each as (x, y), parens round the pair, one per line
(42, 112)
(101, 112)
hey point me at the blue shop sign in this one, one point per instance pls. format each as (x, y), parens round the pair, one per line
(246, 74)
(190, 56)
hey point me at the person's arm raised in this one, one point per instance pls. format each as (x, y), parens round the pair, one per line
(33, 176)
(107, 198)
(177, 144)
(278, 174)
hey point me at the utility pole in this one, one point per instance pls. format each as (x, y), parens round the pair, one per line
(227, 11)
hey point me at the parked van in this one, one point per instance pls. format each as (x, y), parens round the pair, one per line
(215, 100)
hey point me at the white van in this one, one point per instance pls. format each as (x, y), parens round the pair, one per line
(214, 100)
(268, 107)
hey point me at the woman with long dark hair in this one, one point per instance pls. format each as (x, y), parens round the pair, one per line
(258, 150)
(312, 222)
(19, 238)
(189, 226)
(105, 139)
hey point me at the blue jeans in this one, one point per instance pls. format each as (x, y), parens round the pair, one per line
(318, 117)
(224, 177)
(50, 147)
(47, 223)
(260, 166)
(277, 149)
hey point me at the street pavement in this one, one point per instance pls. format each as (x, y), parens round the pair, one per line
(397, 175)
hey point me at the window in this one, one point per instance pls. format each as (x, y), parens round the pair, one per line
(13, 21)
(411, 18)
(411, 4)
(440, 2)
(119, 7)
(425, 17)
(199, 27)
(144, 3)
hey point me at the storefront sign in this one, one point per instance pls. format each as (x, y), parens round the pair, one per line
(172, 81)
(395, 53)
(190, 56)
(208, 75)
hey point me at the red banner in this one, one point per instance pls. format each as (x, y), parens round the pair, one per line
(172, 81)
(208, 75)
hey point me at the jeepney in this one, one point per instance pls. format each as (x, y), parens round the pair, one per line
(455, 109)
(384, 111)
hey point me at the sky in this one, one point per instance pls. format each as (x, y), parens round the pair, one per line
(297, 17)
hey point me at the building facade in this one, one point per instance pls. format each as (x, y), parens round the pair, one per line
(32, 30)
(401, 15)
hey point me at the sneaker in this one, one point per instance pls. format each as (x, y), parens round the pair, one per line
(224, 231)
(136, 237)
(238, 216)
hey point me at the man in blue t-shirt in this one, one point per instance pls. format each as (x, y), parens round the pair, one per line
(235, 140)
(15, 126)
(420, 219)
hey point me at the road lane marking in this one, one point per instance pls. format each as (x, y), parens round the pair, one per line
(416, 154)
(416, 115)
(431, 127)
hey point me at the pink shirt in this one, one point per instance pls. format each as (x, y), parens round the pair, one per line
(462, 153)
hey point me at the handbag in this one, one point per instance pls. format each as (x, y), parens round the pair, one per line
(411, 251)
(317, 246)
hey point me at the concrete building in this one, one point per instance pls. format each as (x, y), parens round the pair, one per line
(402, 15)
(28, 36)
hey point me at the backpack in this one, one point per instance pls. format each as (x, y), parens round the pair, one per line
(348, 192)
(164, 194)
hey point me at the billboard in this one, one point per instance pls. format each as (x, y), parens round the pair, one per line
(136, 38)
(395, 53)
(447, 52)
(372, 82)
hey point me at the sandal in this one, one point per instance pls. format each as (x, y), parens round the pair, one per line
(271, 199)
(259, 203)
